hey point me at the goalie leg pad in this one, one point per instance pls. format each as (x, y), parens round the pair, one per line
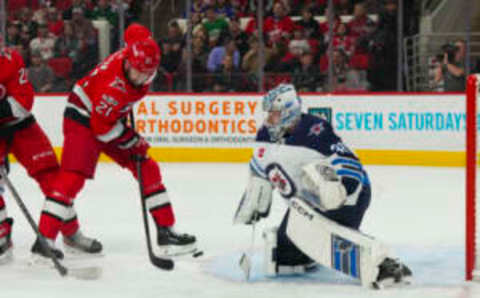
(334, 245)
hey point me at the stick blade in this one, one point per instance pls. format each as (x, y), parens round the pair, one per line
(245, 265)
(164, 264)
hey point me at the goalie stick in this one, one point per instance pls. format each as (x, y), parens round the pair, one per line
(162, 263)
(80, 273)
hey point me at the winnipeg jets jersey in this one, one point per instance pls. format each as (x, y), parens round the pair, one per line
(312, 139)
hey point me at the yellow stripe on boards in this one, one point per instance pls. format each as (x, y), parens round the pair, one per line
(368, 157)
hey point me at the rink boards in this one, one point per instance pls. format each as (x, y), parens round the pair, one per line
(383, 129)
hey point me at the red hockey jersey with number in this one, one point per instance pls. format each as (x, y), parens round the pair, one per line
(106, 97)
(14, 86)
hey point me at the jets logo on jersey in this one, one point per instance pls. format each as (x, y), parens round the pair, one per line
(316, 130)
(280, 180)
(119, 84)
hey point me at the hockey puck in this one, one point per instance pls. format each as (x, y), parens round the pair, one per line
(198, 254)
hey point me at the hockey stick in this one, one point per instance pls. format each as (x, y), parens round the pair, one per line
(81, 273)
(165, 264)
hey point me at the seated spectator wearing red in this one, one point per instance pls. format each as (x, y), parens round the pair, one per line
(276, 27)
(55, 21)
(361, 24)
(342, 40)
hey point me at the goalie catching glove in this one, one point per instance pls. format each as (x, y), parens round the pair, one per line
(255, 203)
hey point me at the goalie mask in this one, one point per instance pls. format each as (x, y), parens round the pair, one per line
(284, 110)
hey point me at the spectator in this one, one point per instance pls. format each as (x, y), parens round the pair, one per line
(298, 45)
(214, 24)
(55, 21)
(215, 58)
(227, 78)
(40, 15)
(131, 8)
(198, 6)
(240, 37)
(306, 75)
(43, 43)
(25, 18)
(361, 23)
(40, 74)
(103, 11)
(309, 24)
(250, 61)
(452, 68)
(224, 9)
(12, 37)
(87, 44)
(279, 25)
(171, 57)
(175, 35)
(345, 78)
(341, 40)
(67, 44)
(196, 22)
(79, 6)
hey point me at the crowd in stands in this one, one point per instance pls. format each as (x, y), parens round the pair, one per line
(226, 55)
(57, 39)
(60, 44)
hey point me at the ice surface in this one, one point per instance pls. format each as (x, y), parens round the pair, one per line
(419, 211)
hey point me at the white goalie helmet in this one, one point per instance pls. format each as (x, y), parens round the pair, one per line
(283, 100)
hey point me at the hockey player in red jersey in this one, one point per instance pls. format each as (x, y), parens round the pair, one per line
(95, 122)
(21, 135)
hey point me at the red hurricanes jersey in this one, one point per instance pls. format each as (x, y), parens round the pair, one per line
(14, 85)
(107, 96)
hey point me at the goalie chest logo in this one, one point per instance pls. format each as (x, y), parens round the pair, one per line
(280, 180)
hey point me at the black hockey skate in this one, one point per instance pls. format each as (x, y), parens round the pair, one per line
(392, 273)
(171, 243)
(6, 245)
(80, 244)
(40, 254)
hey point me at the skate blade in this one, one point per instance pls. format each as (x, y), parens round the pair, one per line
(390, 283)
(79, 254)
(84, 273)
(37, 260)
(171, 251)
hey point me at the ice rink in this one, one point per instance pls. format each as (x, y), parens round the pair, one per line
(418, 211)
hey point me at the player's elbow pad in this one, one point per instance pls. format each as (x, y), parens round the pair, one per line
(322, 181)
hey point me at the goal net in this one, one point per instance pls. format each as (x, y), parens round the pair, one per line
(472, 181)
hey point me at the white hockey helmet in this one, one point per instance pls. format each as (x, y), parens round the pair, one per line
(285, 100)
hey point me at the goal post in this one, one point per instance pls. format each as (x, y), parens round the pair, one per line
(472, 236)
